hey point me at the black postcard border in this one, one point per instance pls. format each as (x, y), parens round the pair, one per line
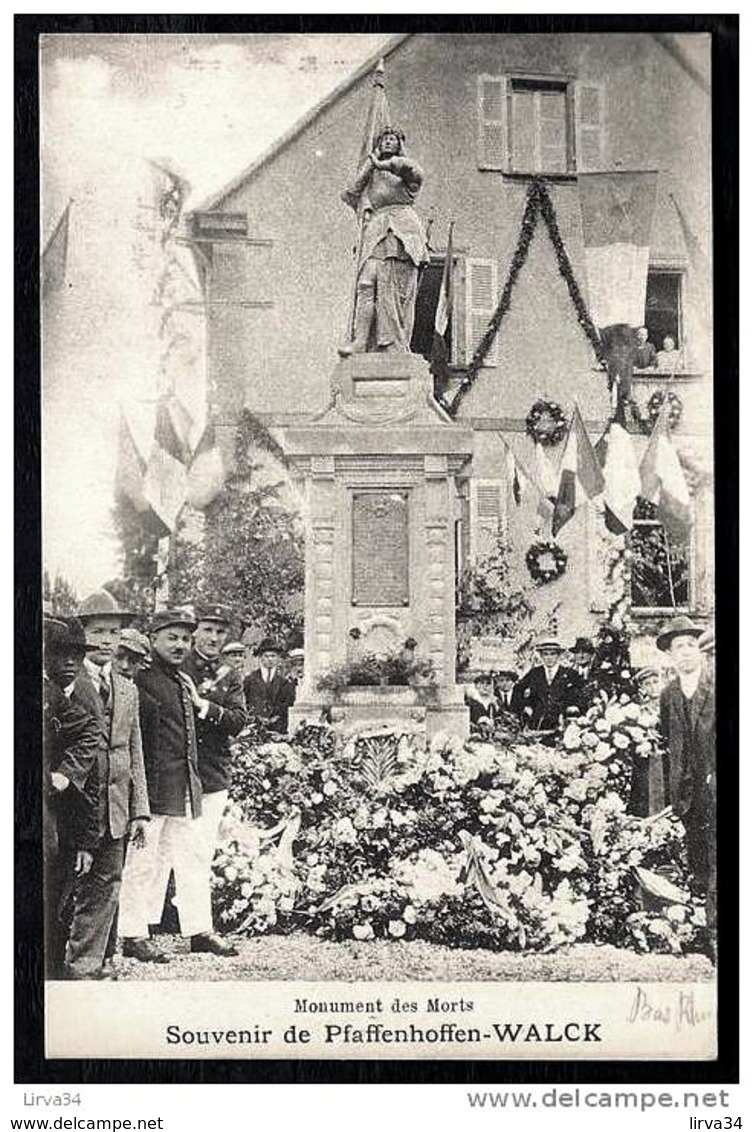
(31, 1066)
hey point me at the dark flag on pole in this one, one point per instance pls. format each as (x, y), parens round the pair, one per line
(440, 358)
(55, 255)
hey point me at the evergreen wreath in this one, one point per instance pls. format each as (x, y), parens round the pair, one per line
(546, 423)
(546, 561)
(655, 402)
(538, 203)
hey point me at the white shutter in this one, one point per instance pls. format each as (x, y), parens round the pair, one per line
(589, 127)
(480, 300)
(487, 517)
(492, 121)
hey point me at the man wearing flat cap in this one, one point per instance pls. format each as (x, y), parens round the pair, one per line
(687, 718)
(168, 720)
(216, 690)
(123, 801)
(269, 694)
(71, 740)
(546, 692)
(133, 653)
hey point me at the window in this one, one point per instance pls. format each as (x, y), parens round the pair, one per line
(664, 306)
(529, 124)
(660, 566)
(487, 517)
(475, 296)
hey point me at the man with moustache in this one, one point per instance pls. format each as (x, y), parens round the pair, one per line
(168, 718)
(70, 831)
(541, 699)
(216, 690)
(123, 806)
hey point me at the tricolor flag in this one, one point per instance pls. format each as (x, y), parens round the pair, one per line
(440, 358)
(55, 255)
(206, 475)
(547, 484)
(617, 211)
(131, 469)
(580, 476)
(167, 469)
(513, 477)
(622, 481)
(662, 478)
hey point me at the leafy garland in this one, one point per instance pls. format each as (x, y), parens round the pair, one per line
(538, 203)
(655, 402)
(536, 560)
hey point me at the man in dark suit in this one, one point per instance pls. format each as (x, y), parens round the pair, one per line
(123, 802)
(687, 718)
(70, 831)
(269, 694)
(168, 720)
(216, 690)
(543, 696)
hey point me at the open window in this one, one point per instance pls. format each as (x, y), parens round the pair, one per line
(660, 565)
(664, 306)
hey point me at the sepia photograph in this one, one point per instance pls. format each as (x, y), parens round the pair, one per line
(378, 543)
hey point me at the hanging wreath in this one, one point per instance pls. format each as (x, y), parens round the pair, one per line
(546, 423)
(546, 561)
(655, 402)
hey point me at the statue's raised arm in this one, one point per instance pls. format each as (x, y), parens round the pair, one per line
(391, 247)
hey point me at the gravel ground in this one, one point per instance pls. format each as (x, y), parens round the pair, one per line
(302, 958)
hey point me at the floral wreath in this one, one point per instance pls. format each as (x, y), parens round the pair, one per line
(546, 561)
(655, 402)
(546, 423)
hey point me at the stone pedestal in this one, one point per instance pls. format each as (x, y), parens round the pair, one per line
(381, 467)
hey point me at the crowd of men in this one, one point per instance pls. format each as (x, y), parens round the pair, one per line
(137, 773)
(137, 763)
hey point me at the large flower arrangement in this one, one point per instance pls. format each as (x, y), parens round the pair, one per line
(500, 844)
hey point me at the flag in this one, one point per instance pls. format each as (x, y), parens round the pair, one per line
(55, 255)
(616, 211)
(547, 484)
(440, 359)
(167, 471)
(130, 470)
(513, 478)
(377, 118)
(663, 481)
(622, 481)
(580, 476)
(206, 475)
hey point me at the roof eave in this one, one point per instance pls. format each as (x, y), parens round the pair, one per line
(214, 202)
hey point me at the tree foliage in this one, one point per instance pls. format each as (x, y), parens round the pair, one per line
(62, 597)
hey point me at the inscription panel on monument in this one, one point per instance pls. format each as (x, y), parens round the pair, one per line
(380, 548)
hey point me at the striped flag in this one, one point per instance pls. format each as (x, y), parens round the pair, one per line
(662, 478)
(55, 255)
(548, 484)
(622, 481)
(206, 475)
(580, 476)
(617, 210)
(167, 470)
(440, 359)
(131, 469)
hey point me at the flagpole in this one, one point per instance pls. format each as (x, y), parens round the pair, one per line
(669, 569)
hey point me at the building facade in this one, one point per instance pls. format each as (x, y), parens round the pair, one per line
(483, 115)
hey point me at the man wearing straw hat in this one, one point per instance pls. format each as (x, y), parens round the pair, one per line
(542, 698)
(687, 715)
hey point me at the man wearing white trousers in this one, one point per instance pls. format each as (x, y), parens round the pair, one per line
(168, 721)
(216, 689)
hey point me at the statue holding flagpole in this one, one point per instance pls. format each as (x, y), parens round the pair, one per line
(391, 245)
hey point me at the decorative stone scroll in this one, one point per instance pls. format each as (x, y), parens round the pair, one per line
(380, 548)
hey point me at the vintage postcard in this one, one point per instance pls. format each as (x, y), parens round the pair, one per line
(379, 536)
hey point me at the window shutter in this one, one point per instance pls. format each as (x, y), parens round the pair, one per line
(589, 126)
(487, 517)
(492, 122)
(481, 299)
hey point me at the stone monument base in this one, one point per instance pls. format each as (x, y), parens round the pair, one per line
(403, 708)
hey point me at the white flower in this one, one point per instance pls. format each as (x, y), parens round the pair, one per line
(329, 788)
(620, 741)
(572, 737)
(312, 859)
(646, 720)
(603, 752)
(363, 931)
(632, 711)
(231, 873)
(246, 890)
(379, 818)
(316, 799)
(396, 928)
(409, 914)
(676, 913)
(590, 739)
(602, 726)
(614, 715)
